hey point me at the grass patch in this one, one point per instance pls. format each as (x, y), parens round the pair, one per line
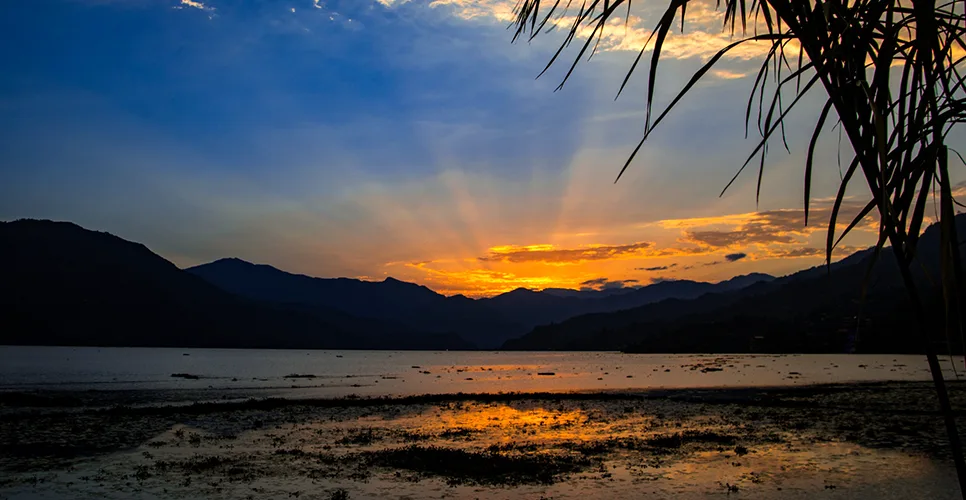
(680, 439)
(485, 468)
(359, 437)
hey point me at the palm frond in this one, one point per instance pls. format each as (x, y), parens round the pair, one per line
(893, 72)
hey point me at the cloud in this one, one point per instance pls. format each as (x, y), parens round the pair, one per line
(725, 74)
(551, 255)
(784, 227)
(606, 284)
(604, 281)
(794, 253)
(475, 282)
(656, 268)
(762, 228)
(703, 36)
(731, 257)
(196, 5)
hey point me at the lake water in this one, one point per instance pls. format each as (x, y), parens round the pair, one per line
(376, 373)
(618, 447)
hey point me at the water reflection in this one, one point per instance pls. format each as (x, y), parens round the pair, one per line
(603, 448)
(261, 373)
(499, 423)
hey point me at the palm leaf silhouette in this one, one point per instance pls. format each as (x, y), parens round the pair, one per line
(893, 74)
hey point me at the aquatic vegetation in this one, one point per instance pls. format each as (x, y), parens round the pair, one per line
(680, 439)
(339, 493)
(480, 467)
(535, 444)
(364, 436)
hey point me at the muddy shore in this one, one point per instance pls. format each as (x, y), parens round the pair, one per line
(882, 440)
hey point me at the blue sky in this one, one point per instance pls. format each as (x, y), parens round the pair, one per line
(374, 138)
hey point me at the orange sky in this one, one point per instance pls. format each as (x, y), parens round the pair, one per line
(707, 249)
(409, 138)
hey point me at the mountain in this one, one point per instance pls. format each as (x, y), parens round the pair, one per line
(487, 323)
(588, 294)
(391, 300)
(61, 284)
(816, 310)
(743, 281)
(539, 308)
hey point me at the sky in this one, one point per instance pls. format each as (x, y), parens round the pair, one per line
(375, 138)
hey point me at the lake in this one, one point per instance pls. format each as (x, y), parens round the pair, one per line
(113, 433)
(397, 373)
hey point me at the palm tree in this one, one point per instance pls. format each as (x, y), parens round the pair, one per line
(891, 71)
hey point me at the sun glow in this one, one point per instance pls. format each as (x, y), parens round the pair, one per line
(699, 248)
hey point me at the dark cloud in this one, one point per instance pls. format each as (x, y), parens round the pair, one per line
(656, 268)
(564, 255)
(776, 226)
(605, 284)
(610, 285)
(731, 257)
(741, 236)
(793, 253)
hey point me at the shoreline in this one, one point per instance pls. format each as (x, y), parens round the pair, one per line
(758, 394)
(815, 441)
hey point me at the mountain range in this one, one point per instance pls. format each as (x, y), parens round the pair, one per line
(61, 284)
(486, 323)
(821, 309)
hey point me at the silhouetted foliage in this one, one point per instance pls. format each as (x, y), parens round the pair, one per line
(891, 70)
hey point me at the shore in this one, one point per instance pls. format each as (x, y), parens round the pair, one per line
(881, 440)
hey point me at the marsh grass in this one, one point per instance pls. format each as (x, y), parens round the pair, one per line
(480, 467)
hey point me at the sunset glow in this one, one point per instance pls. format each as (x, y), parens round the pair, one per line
(405, 139)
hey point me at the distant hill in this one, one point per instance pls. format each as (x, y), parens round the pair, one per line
(815, 310)
(61, 284)
(392, 300)
(588, 294)
(539, 308)
(487, 323)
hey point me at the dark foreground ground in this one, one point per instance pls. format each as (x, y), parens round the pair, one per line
(837, 441)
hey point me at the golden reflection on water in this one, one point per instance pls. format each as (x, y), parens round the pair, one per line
(797, 463)
(777, 463)
(503, 419)
(532, 423)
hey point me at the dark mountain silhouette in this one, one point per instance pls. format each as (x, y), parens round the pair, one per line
(815, 310)
(588, 294)
(61, 284)
(487, 323)
(390, 300)
(537, 308)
